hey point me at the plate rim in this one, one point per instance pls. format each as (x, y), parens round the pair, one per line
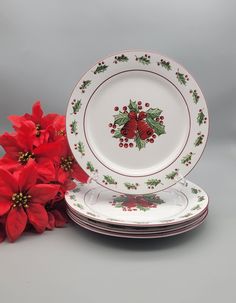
(206, 131)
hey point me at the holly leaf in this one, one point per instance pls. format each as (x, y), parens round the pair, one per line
(76, 107)
(120, 199)
(81, 148)
(117, 134)
(159, 128)
(194, 190)
(121, 118)
(200, 118)
(139, 142)
(181, 78)
(153, 112)
(133, 106)
(153, 182)
(109, 179)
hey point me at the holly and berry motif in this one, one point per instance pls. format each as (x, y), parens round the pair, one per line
(182, 78)
(145, 60)
(129, 185)
(173, 174)
(109, 180)
(199, 139)
(134, 203)
(84, 85)
(134, 126)
(165, 64)
(76, 105)
(80, 147)
(101, 67)
(201, 118)
(187, 159)
(121, 58)
(152, 183)
(74, 127)
(194, 95)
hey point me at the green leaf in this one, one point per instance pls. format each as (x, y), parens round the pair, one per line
(122, 58)
(131, 185)
(200, 117)
(143, 59)
(165, 64)
(172, 175)
(76, 107)
(153, 198)
(139, 142)
(201, 198)
(133, 106)
(199, 140)
(153, 112)
(120, 199)
(90, 166)
(159, 128)
(194, 190)
(153, 182)
(195, 96)
(109, 179)
(181, 78)
(142, 208)
(100, 68)
(117, 134)
(121, 118)
(197, 207)
(81, 148)
(73, 127)
(85, 84)
(187, 159)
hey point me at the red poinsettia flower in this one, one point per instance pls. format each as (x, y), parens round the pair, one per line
(22, 200)
(56, 214)
(58, 128)
(66, 166)
(2, 228)
(20, 148)
(42, 123)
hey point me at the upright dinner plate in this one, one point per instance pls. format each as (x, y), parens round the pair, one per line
(137, 122)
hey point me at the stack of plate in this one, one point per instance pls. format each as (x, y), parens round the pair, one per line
(137, 123)
(170, 212)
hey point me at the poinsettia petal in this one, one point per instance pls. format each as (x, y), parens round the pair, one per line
(16, 120)
(43, 193)
(48, 120)
(9, 163)
(46, 170)
(10, 144)
(62, 175)
(60, 219)
(16, 223)
(51, 221)
(37, 112)
(38, 217)
(48, 150)
(79, 174)
(26, 135)
(8, 184)
(27, 176)
(5, 206)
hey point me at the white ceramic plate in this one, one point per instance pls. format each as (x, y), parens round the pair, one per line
(174, 205)
(137, 122)
(130, 230)
(142, 236)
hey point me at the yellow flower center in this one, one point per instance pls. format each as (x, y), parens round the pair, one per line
(24, 157)
(38, 127)
(20, 199)
(66, 163)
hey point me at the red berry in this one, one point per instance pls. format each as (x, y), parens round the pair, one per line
(116, 108)
(121, 144)
(161, 122)
(114, 126)
(110, 124)
(131, 145)
(154, 136)
(126, 139)
(157, 119)
(147, 140)
(132, 115)
(151, 140)
(147, 104)
(161, 117)
(139, 102)
(126, 145)
(121, 139)
(112, 131)
(124, 108)
(140, 107)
